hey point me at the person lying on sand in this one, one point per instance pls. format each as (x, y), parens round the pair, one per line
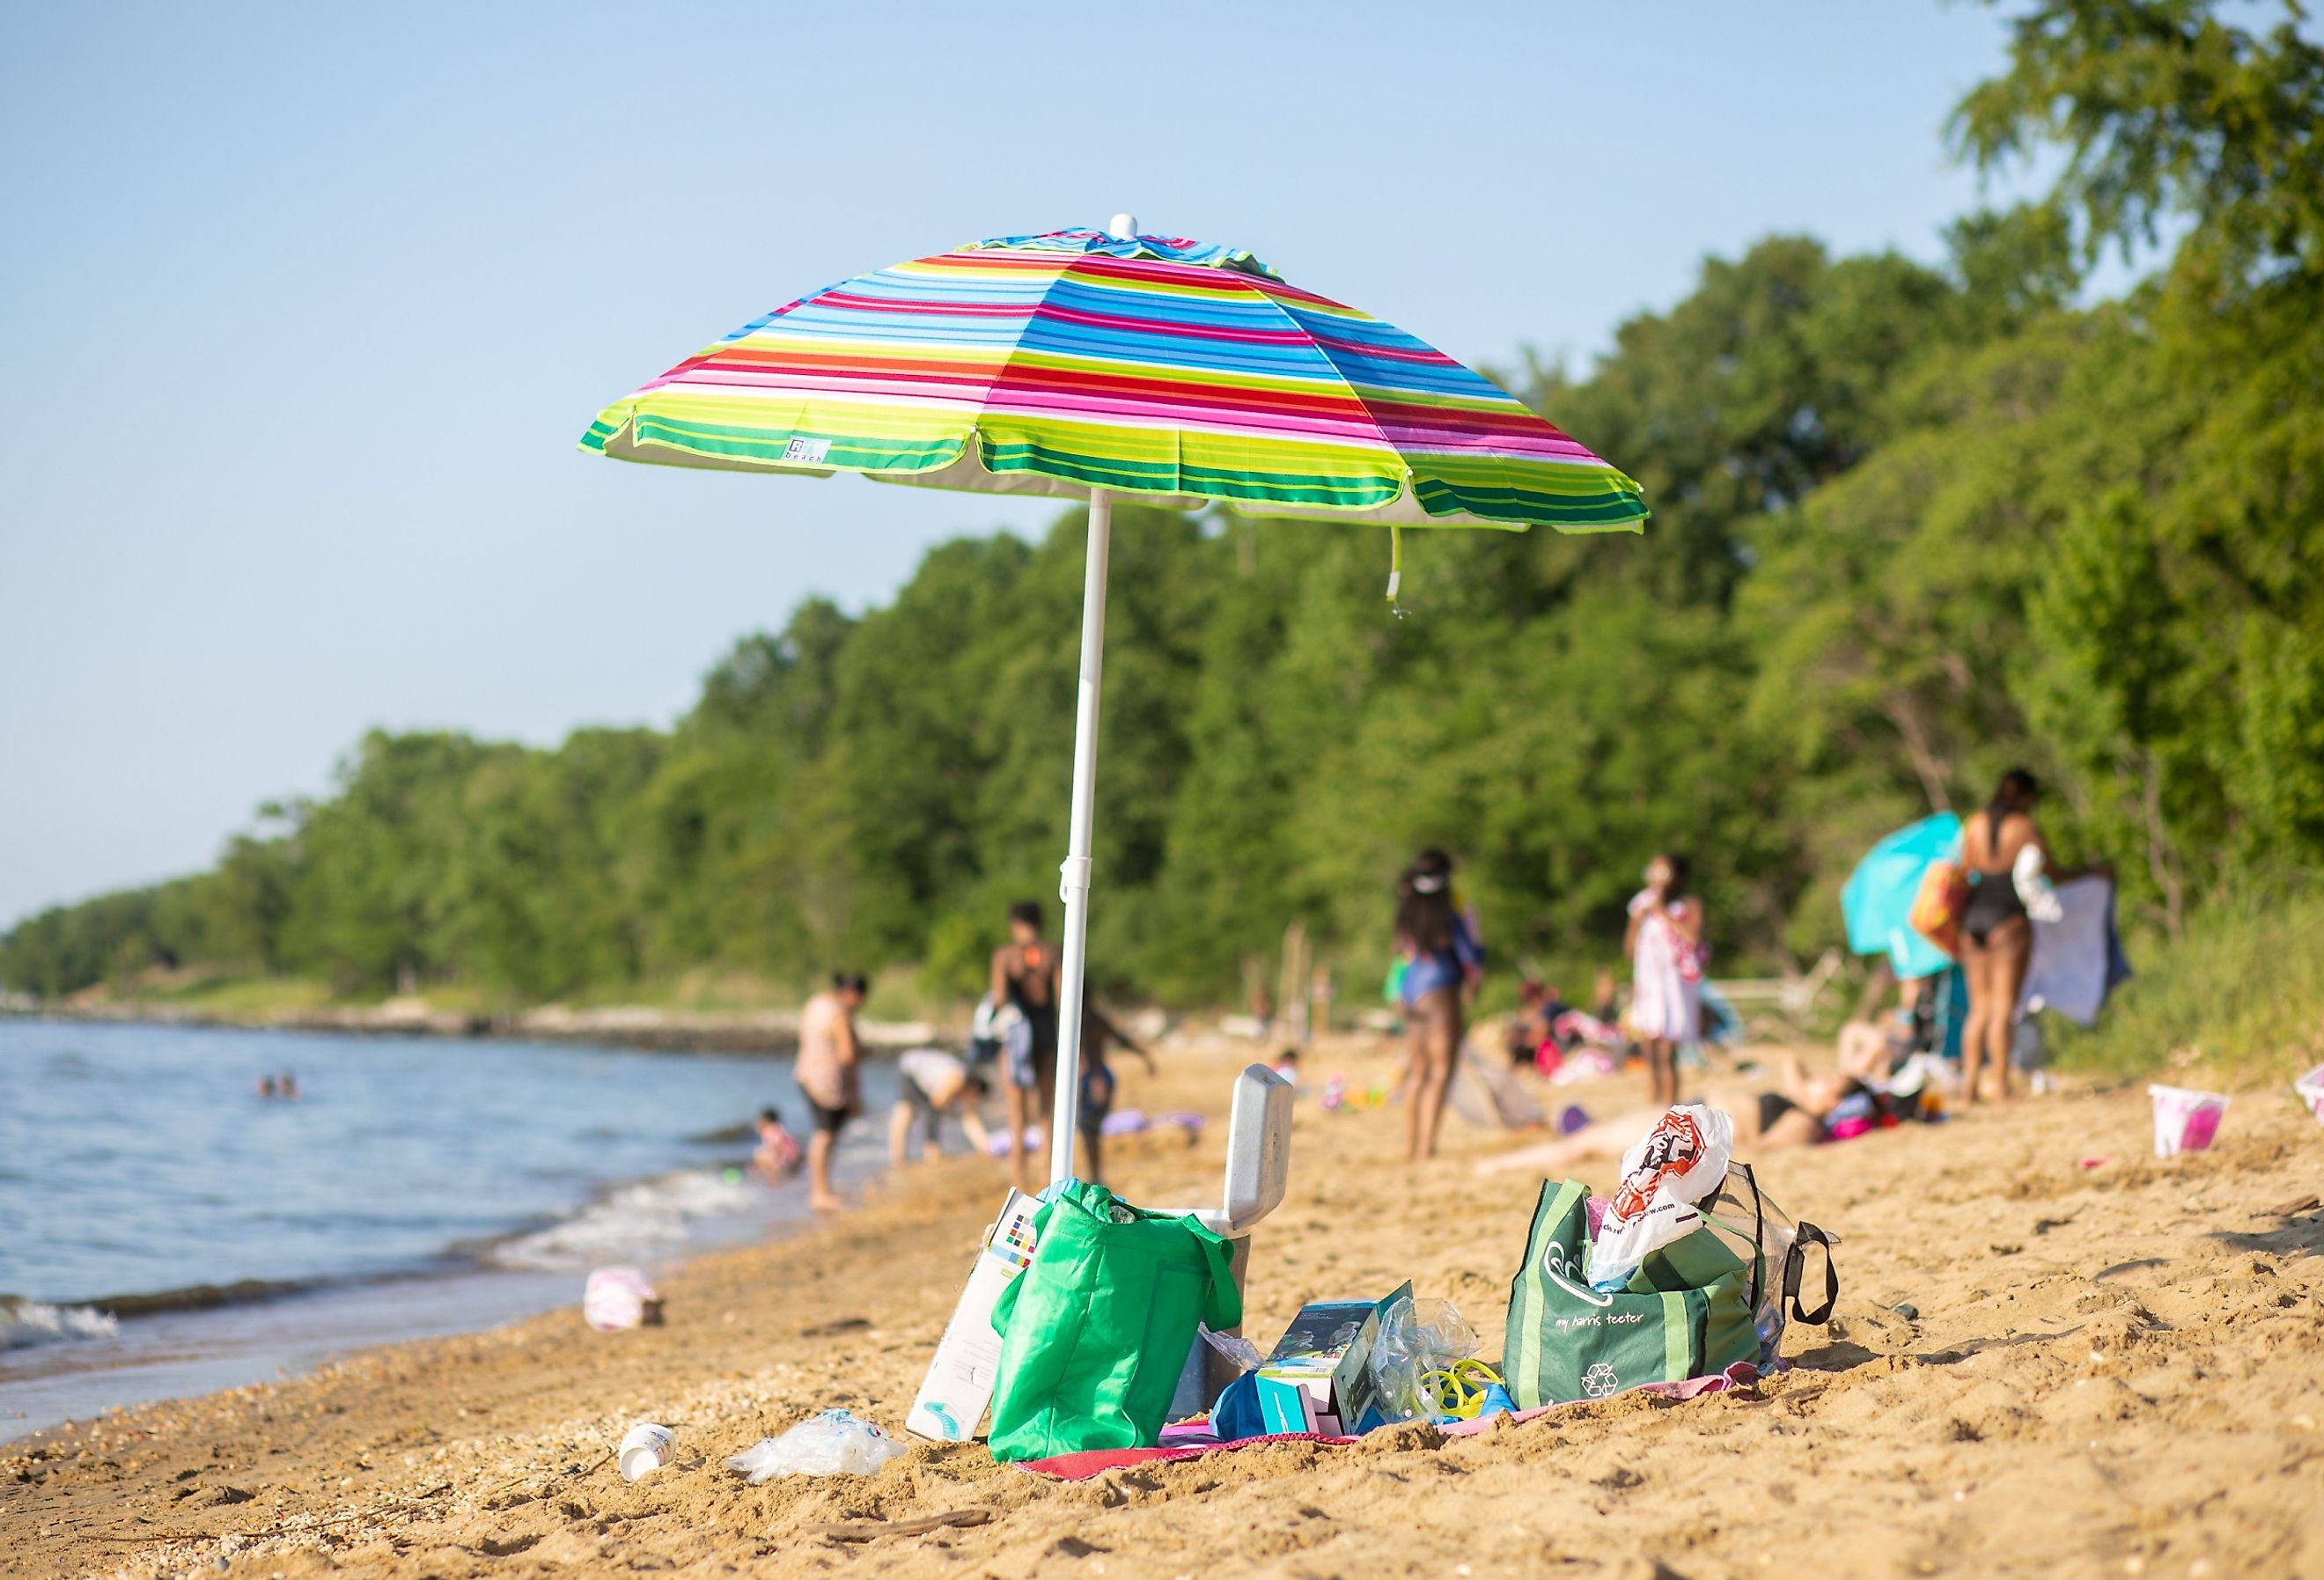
(1873, 1050)
(930, 1084)
(1807, 1110)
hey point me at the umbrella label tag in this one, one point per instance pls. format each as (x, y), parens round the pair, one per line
(808, 451)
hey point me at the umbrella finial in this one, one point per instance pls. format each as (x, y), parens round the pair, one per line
(1123, 228)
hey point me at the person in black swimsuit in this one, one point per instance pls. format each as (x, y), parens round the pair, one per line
(1996, 935)
(1024, 975)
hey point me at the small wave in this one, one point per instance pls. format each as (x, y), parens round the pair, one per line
(25, 1323)
(200, 1297)
(634, 1220)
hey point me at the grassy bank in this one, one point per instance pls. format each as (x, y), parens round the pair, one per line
(2240, 996)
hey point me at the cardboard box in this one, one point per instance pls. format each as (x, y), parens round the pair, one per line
(1283, 1406)
(1312, 1347)
(1352, 1394)
(1325, 1353)
(959, 1385)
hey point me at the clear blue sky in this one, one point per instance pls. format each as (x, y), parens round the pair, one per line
(302, 309)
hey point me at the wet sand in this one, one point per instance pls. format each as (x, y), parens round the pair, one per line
(2115, 1369)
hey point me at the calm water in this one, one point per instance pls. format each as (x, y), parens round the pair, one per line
(419, 1185)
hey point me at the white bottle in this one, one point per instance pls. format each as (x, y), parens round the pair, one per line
(646, 1449)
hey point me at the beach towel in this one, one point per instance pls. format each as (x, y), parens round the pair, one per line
(1095, 1331)
(1095, 1462)
(2078, 958)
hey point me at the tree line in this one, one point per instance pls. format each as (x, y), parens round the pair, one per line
(1913, 524)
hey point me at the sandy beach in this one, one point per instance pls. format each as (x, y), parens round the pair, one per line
(2035, 1367)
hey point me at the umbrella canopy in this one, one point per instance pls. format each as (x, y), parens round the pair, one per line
(1088, 364)
(1878, 898)
(1184, 373)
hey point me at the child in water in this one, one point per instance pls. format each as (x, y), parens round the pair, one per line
(778, 1157)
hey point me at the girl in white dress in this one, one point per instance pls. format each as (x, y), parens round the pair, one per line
(1665, 944)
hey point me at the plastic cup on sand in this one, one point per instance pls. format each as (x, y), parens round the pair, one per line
(2185, 1120)
(646, 1449)
(2309, 1089)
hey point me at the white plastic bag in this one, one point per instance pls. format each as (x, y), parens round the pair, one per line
(834, 1443)
(1681, 1161)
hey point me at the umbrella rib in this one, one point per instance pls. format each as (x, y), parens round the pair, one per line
(1256, 288)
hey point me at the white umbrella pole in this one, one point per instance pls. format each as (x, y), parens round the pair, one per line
(1064, 1114)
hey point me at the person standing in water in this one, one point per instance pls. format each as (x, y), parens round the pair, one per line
(1664, 944)
(1025, 976)
(827, 1072)
(1444, 964)
(1996, 938)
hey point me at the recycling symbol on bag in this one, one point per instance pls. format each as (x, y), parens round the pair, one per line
(1600, 1381)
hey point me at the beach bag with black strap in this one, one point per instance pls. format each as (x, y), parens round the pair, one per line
(1695, 1307)
(1095, 1330)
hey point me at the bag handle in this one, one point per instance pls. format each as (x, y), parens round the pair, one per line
(1758, 1235)
(1803, 1234)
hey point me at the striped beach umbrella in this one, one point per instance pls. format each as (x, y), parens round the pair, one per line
(1089, 363)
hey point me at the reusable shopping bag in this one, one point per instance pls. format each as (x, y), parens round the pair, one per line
(1695, 1307)
(1095, 1331)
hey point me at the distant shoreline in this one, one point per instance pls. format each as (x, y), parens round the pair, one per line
(636, 1026)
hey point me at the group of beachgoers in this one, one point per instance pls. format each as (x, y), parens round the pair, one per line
(1873, 1084)
(1014, 1045)
(1441, 957)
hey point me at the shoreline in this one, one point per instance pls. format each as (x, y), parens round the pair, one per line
(247, 1330)
(71, 1346)
(637, 1027)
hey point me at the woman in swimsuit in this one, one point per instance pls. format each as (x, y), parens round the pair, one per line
(1996, 935)
(1024, 975)
(1445, 962)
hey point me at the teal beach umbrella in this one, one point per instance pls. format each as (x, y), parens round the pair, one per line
(1878, 899)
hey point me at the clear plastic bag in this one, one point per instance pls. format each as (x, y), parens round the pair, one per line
(1233, 1346)
(1756, 1227)
(834, 1443)
(1415, 1338)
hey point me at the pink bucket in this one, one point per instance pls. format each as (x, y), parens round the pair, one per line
(2185, 1121)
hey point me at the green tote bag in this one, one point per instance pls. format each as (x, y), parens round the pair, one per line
(1686, 1312)
(1094, 1331)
